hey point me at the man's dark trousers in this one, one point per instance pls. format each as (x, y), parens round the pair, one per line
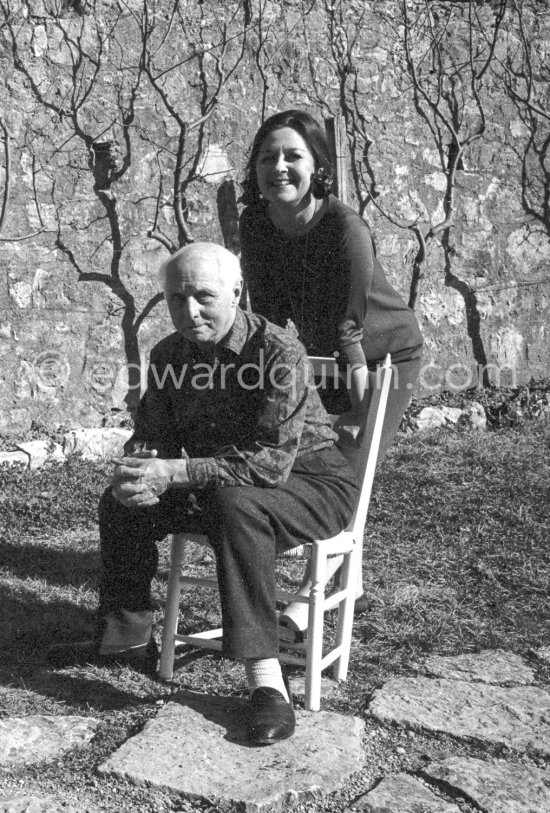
(245, 525)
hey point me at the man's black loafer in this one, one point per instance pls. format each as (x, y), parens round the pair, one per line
(271, 718)
(143, 658)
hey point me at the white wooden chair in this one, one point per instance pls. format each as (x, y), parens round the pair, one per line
(348, 543)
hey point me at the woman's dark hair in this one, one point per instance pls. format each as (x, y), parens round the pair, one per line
(314, 136)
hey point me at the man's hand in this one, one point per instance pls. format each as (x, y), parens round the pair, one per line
(137, 482)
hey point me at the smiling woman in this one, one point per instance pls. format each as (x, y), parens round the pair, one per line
(284, 169)
(310, 265)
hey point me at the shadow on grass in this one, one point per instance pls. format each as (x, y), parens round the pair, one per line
(72, 565)
(31, 626)
(34, 620)
(86, 691)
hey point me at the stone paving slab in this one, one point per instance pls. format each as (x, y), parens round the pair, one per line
(489, 666)
(497, 787)
(197, 746)
(27, 740)
(518, 717)
(402, 793)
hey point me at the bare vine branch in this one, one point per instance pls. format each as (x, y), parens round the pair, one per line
(527, 83)
(187, 161)
(6, 192)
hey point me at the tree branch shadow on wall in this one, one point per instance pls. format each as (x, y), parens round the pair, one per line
(473, 316)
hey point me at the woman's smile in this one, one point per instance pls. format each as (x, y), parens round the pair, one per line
(284, 167)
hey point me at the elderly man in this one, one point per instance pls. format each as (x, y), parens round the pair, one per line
(230, 440)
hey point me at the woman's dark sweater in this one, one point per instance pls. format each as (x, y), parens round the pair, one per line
(329, 283)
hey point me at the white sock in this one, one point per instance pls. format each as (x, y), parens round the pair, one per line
(265, 672)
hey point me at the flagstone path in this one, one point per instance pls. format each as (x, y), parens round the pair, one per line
(195, 746)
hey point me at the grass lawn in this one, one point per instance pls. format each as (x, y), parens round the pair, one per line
(456, 560)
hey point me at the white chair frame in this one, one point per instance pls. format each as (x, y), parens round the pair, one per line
(348, 543)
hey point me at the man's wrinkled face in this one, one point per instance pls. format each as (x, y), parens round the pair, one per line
(202, 300)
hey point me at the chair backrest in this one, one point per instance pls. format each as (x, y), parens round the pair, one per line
(325, 367)
(365, 456)
(370, 445)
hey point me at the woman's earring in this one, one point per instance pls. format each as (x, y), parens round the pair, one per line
(321, 184)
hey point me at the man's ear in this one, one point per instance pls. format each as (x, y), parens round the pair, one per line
(237, 291)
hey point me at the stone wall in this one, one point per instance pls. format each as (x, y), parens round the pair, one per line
(92, 142)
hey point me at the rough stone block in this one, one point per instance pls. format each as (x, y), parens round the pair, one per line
(474, 417)
(403, 794)
(451, 414)
(496, 787)
(429, 418)
(197, 746)
(95, 444)
(40, 451)
(518, 717)
(26, 740)
(489, 666)
(14, 458)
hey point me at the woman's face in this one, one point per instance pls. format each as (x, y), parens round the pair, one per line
(284, 167)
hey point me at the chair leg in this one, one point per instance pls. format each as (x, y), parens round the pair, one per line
(345, 613)
(315, 629)
(171, 610)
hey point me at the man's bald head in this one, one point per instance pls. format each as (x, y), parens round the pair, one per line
(203, 255)
(202, 287)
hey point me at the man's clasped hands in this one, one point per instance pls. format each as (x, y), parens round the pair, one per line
(140, 479)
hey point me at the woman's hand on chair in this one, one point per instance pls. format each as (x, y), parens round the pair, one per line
(349, 428)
